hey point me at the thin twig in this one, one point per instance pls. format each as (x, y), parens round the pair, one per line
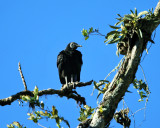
(23, 80)
(96, 31)
(149, 47)
(137, 111)
(41, 125)
(113, 70)
(98, 34)
(131, 112)
(145, 102)
(148, 92)
(119, 64)
(146, 53)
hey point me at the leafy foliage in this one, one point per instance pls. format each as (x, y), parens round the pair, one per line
(142, 89)
(35, 116)
(38, 115)
(33, 101)
(85, 113)
(86, 32)
(15, 125)
(128, 25)
(124, 28)
(102, 86)
(101, 109)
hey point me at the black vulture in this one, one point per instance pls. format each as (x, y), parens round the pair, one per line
(69, 62)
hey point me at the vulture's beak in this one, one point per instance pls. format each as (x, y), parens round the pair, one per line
(79, 45)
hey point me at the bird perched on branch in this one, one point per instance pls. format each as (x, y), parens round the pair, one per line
(69, 62)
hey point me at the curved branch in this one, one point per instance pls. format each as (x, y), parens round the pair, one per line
(63, 92)
(9, 100)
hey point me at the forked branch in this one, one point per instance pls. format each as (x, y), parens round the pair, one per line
(62, 93)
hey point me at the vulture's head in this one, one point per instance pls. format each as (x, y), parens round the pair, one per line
(73, 46)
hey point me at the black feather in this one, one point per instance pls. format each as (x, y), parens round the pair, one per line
(69, 62)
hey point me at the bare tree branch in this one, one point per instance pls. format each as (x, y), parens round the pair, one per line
(63, 92)
(23, 80)
(77, 84)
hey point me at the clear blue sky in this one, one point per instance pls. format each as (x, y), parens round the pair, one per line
(35, 31)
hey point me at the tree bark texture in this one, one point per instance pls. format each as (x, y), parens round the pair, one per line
(122, 79)
(67, 92)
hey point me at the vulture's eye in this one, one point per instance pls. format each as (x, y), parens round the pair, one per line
(72, 45)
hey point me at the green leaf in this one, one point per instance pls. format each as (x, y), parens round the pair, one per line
(58, 122)
(142, 89)
(135, 86)
(142, 13)
(135, 11)
(119, 22)
(120, 19)
(119, 15)
(29, 114)
(104, 81)
(23, 98)
(114, 41)
(112, 33)
(16, 124)
(105, 41)
(35, 120)
(132, 12)
(128, 17)
(97, 87)
(26, 98)
(86, 37)
(140, 33)
(127, 25)
(110, 37)
(122, 37)
(99, 93)
(65, 121)
(91, 30)
(42, 105)
(140, 100)
(157, 21)
(84, 32)
(114, 27)
(94, 82)
(10, 126)
(101, 109)
(85, 113)
(35, 91)
(144, 96)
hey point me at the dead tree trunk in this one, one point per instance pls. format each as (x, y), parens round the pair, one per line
(122, 79)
